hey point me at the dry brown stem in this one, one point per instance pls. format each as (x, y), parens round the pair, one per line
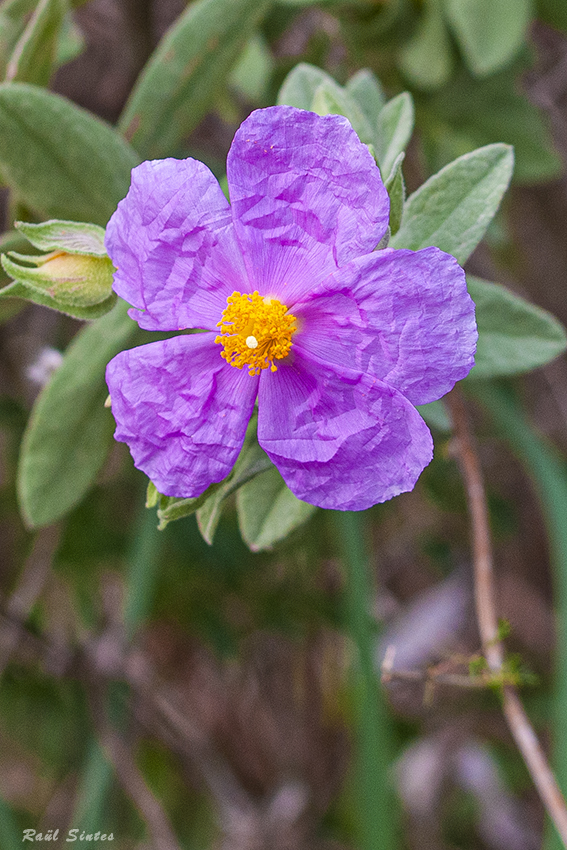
(516, 717)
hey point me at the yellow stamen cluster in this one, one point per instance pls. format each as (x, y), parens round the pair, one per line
(255, 331)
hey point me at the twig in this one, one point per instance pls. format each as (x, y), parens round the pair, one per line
(516, 717)
(430, 677)
(124, 764)
(27, 591)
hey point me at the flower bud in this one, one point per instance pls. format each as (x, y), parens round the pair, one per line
(74, 277)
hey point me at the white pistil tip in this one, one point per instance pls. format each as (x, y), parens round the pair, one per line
(251, 342)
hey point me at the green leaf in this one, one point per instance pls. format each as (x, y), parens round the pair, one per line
(71, 42)
(308, 87)
(10, 833)
(332, 99)
(37, 296)
(59, 159)
(299, 87)
(71, 236)
(251, 74)
(394, 129)
(454, 207)
(179, 83)
(490, 32)
(33, 58)
(426, 59)
(251, 461)
(268, 511)
(397, 191)
(365, 88)
(70, 430)
(10, 307)
(14, 15)
(436, 415)
(469, 113)
(553, 12)
(514, 335)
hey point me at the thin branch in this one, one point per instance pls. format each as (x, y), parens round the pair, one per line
(430, 677)
(124, 764)
(28, 590)
(516, 717)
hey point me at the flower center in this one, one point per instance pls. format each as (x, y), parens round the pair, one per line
(255, 331)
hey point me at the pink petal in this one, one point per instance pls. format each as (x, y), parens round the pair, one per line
(340, 439)
(174, 247)
(182, 410)
(306, 196)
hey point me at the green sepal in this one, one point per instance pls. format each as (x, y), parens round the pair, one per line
(251, 461)
(75, 277)
(73, 237)
(171, 508)
(74, 280)
(35, 296)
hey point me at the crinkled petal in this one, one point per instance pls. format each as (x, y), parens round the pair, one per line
(306, 198)
(403, 316)
(173, 244)
(182, 410)
(340, 439)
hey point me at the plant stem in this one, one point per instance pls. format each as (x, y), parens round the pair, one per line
(516, 717)
(548, 472)
(376, 824)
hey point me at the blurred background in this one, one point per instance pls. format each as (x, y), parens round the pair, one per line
(221, 678)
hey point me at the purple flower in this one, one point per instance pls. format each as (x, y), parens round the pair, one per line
(337, 341)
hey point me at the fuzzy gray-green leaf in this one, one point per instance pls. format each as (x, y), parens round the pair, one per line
(365, 88)
(454, 207)
(490, 32)
(70, 430)
(394, 129)
(268, 511)
(59, 159)
(34, 55)
(514, 335)
(184, 74)
(299, 87)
